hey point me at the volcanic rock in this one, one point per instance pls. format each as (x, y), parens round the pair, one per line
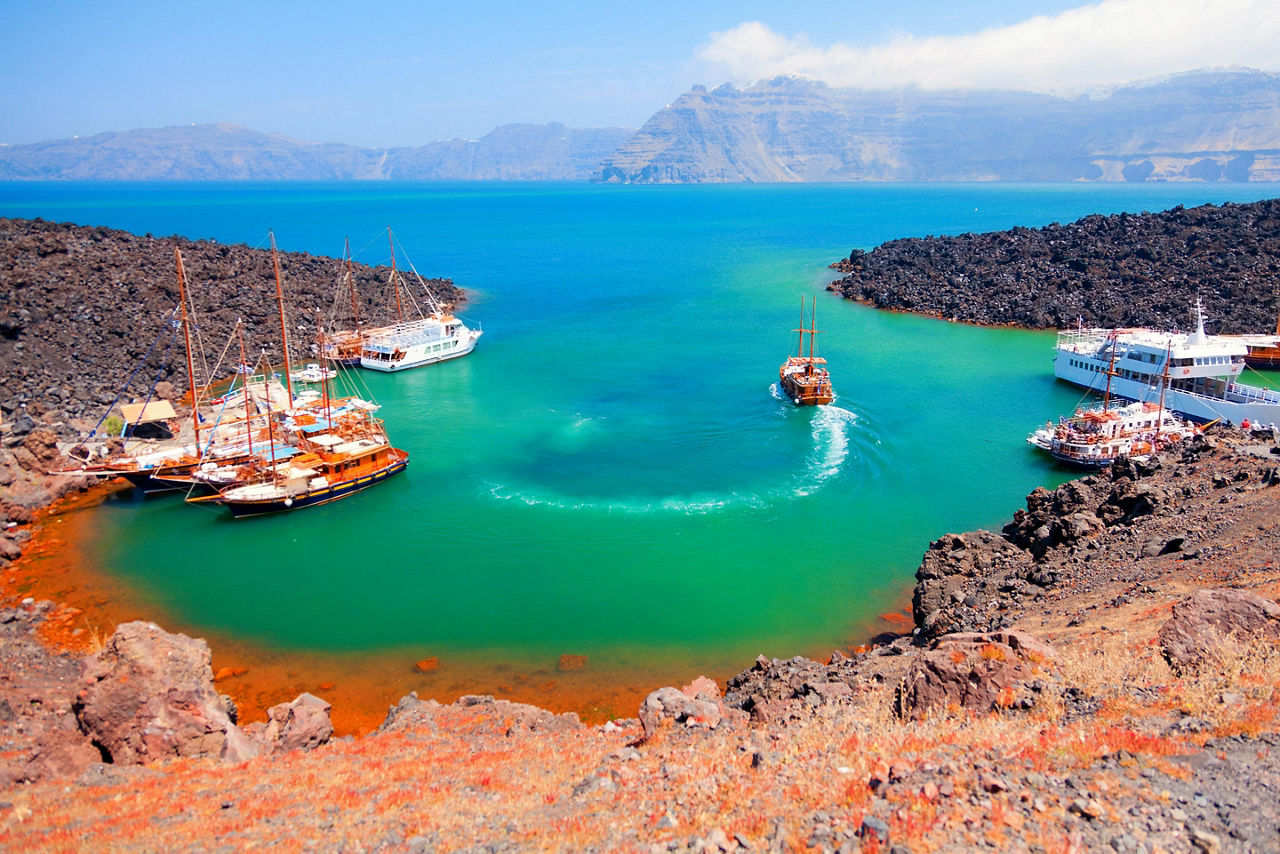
(981, 672)
(149, 695)
(1215, 622)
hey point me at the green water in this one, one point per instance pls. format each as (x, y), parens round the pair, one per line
(610, 472)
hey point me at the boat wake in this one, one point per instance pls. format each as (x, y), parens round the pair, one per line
(691, 505)
(831, 432)
(831, 444)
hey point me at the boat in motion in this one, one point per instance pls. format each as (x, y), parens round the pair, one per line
(804, 378)
(1203, 370)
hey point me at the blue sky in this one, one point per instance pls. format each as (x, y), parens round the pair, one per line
(406, 73)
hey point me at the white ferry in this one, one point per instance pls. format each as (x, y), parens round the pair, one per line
(418, 342)
(1203, 370)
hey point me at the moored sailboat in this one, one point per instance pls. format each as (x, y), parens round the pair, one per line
(1204, 370)
(332, 449)
(1096, 436)
(804, 378)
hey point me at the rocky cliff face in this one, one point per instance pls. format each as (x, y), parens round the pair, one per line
(1213, 126)
(226, 152)
(1121, 270)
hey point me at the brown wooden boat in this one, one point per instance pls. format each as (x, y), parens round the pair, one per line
(804, 378)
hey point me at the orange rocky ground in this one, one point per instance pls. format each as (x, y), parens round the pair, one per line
(1115, 750)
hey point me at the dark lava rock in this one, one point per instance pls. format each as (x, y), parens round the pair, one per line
(1119, 270)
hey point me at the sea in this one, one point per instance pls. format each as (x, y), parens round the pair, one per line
(610, 486)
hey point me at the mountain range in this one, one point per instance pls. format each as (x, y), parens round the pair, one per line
(1198, 126)
(1206, 126)
(228, 152)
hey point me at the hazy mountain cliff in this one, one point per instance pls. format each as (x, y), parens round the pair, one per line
(226, 152)
(1201, 126)
(1197, 126)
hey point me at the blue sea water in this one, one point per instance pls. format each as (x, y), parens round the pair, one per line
(610, 473)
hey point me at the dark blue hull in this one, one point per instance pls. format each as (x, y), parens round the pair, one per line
(245, 509)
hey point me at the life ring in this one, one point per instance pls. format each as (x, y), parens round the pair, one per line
(1186, 371)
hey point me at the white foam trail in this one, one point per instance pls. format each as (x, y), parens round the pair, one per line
(693, 505)
(830, 429)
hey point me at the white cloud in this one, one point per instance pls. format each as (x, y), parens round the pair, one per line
(1109, 42)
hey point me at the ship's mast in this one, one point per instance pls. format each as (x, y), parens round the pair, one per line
(1164, 383)
(1111, 372)
(324, 367)
(284, 332)
(800, 338)
(186, 334)
(395, 278)
(813, 333)
(271, 435)
(241, 368)
(351, 282)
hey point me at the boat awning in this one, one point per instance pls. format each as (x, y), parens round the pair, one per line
(326, 440)
(141, 413)
(320, 426)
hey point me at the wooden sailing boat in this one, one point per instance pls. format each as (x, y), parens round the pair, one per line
(804, 378)
(339, 449)
(147, 463)
(1265, 354)
(1095, 437)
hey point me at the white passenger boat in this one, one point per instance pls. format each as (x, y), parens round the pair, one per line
(1203, 370)
(418, 342)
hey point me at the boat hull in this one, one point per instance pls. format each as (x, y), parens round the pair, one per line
(144, 482)
(416, 357)
(1238, 403)
(806, 394)
(241, 509)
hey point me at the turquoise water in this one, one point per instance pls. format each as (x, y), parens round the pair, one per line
(609, 473)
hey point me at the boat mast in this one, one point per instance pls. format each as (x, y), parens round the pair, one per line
(800, 338)
(813, 333)
(395, 277)
(1111, 372)
(351, 282)
(186, 334)
(324, 368)
(243, 367)
(1164, 383)
(271, 435)
(284, 332)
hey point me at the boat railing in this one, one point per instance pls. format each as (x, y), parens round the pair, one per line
(1242, 393)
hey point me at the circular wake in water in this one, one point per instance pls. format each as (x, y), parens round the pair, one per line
(830, 442)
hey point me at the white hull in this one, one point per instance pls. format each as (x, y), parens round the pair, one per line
(1199, 372)
(419, 343)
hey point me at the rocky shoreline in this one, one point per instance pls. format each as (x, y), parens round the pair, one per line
(1121, 270)
(1102, 673)
(1105, 672)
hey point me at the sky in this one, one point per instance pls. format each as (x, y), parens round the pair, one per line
(399, 73)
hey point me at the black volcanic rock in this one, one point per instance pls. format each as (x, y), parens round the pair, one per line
(83, 307)
(1120, 270)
